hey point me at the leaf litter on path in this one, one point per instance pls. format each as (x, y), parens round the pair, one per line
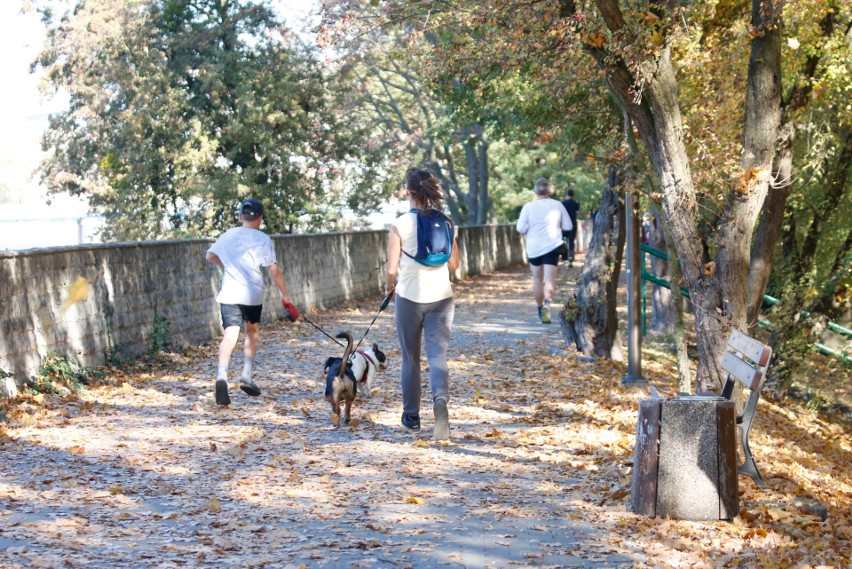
(144, 469)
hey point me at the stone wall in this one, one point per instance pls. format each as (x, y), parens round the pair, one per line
(137, 289)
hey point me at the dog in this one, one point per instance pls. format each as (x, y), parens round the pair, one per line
(351, 375)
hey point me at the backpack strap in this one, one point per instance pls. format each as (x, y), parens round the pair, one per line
(416, 212)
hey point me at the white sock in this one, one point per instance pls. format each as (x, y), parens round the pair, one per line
(248, 363)
(223, 372)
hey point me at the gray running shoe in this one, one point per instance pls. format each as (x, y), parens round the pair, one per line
(544, 312)
(442, 421)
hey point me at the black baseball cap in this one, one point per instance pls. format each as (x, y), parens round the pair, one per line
(251, 209)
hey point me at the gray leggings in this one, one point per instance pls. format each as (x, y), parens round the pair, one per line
(412, 320)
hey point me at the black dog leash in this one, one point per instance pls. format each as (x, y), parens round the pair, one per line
(333, 339)
(384, 305)
(292, 314)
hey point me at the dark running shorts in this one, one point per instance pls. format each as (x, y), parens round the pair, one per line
(236, 314)
(551, 258)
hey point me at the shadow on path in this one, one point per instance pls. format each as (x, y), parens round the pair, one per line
(152, 473)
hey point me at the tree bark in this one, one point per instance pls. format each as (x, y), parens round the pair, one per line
(769, 230)
(668, 154)
(589, 321)
(661, 317)
(482, 214)
(472, 180)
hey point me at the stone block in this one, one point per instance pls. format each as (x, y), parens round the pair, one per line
(685, 464)
(694, 473)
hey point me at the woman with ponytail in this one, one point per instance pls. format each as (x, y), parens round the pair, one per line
(424, 304)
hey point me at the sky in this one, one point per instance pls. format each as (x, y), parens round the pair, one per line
(26, 218)
(24, 111)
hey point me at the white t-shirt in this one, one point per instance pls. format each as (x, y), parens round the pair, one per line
(542, 221)
(416, 282)
(243, 251)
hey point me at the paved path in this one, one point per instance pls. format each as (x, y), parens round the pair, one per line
(148, 472)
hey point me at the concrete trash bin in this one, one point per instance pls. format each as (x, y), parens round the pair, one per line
(685, 466)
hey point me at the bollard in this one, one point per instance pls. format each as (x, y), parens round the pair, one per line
(685, 466)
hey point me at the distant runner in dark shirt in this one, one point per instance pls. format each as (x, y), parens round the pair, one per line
(572, 207)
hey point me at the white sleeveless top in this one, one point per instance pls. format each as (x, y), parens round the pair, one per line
(416, 282)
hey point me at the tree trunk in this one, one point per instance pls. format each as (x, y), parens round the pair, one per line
(717, 290)
(661, 304)
(589, 321)
(448, 185)
(482, 215)
(668, 154)
(771, 223)
(769, 230)
(762, 129)
(678, 328)
(472, 179)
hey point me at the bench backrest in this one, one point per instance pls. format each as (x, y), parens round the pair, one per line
(746, 360)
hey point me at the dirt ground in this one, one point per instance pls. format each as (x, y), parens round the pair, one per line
(142, 469)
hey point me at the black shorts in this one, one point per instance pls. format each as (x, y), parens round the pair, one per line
(236, 314)
(551, 258)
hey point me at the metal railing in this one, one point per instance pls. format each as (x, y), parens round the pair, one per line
(761, 323)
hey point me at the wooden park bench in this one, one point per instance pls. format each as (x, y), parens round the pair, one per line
(746, 361)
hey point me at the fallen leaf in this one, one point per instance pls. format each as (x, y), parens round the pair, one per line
(76, 291)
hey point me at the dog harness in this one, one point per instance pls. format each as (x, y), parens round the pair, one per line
(371, 360)
(366, 368)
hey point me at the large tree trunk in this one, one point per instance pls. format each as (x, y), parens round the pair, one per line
(472, 177)
(717, 290)
(589, 321)
(761, 131)
(668, 154)
(771, 221)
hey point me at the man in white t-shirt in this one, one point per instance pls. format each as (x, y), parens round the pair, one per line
(542, 221)
(241, 252)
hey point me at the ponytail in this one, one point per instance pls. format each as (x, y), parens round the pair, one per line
(425, 189)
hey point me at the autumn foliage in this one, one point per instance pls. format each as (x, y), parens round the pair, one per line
(143, 469)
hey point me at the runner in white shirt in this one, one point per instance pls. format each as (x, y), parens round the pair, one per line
(542, 221)
(241, 252)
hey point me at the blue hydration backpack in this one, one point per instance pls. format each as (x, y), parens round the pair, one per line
(434, 238)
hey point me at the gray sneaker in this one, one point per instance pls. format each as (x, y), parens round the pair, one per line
(544, 312)
(442, 421)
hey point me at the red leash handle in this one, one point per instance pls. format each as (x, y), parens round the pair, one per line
(290, 311)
